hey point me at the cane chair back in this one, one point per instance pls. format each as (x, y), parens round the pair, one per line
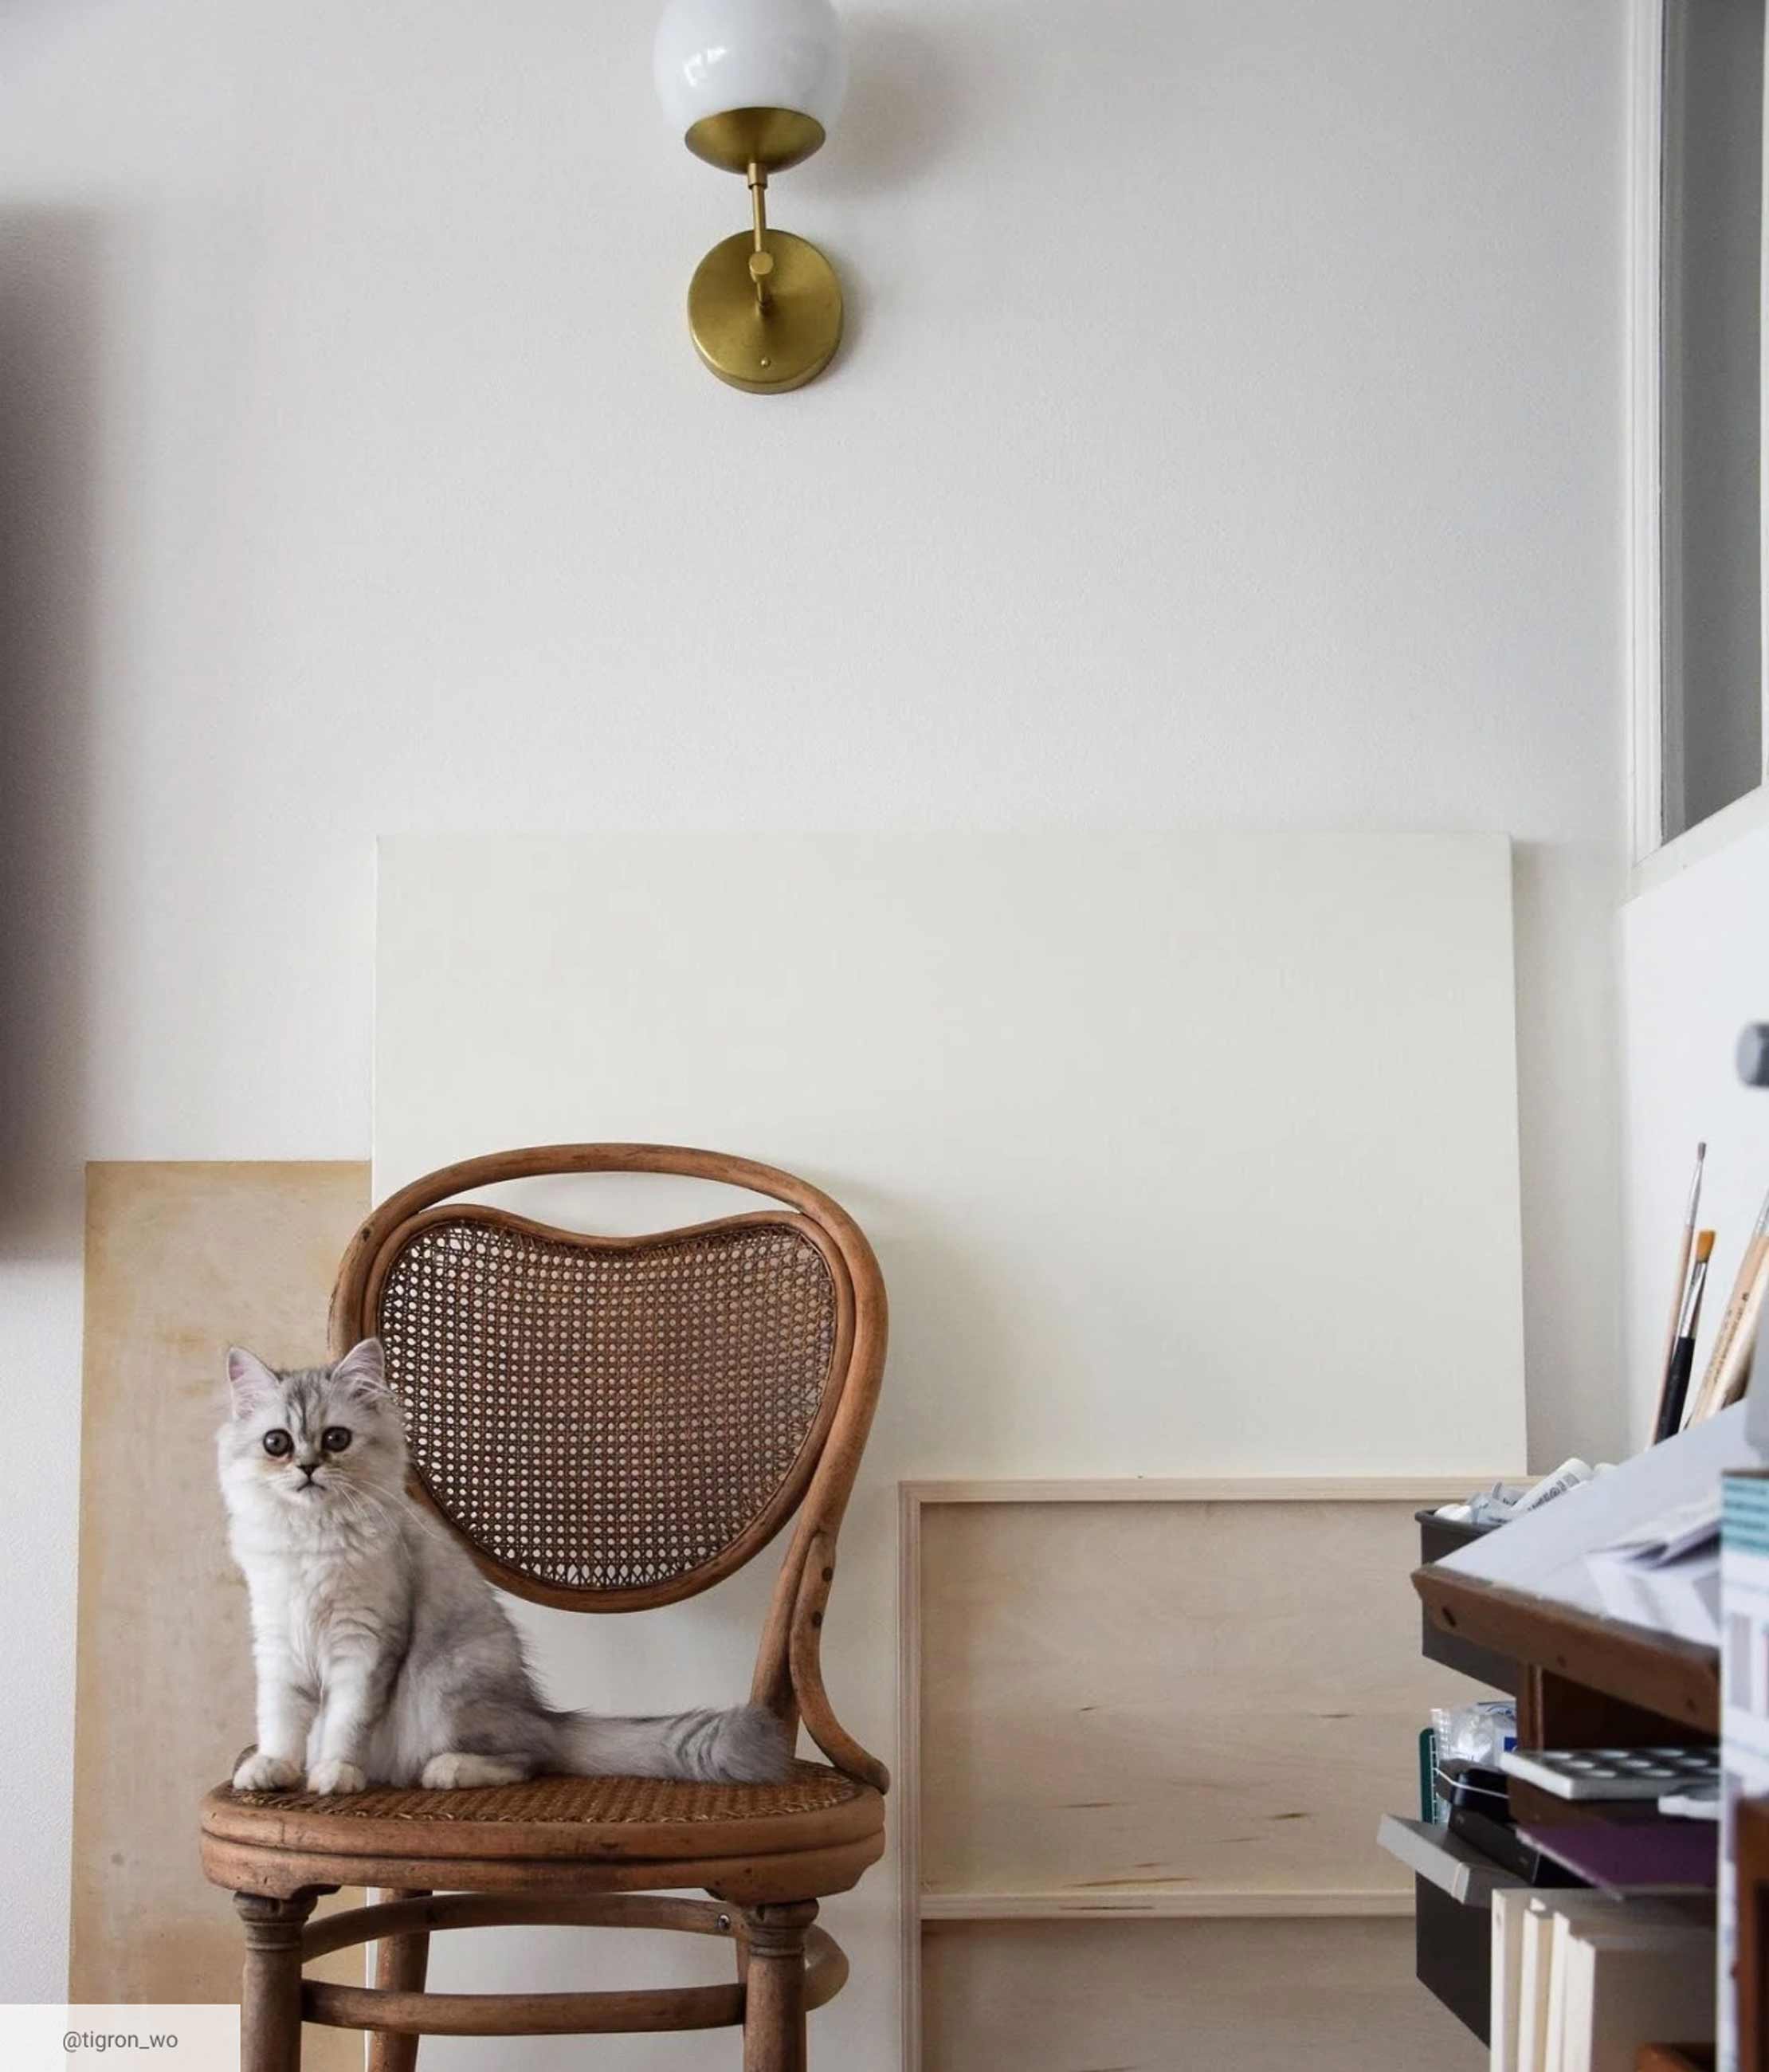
(610, 1423)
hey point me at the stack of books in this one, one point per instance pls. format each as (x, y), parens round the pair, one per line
(1581, 1980)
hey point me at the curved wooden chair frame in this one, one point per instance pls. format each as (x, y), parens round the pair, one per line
(766, 1873)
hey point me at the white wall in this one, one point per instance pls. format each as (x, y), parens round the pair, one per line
(1229, 431)
(1695, 970)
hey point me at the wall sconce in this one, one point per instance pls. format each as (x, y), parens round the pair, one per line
(753, 85)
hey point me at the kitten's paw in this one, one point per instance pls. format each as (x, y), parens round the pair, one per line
(333, 1779)
(456, 1772)
(266, 1772)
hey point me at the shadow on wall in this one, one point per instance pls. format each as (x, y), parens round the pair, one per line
(905, 101)
(50, 314)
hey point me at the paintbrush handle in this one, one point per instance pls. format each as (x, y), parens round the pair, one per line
(1732, 1375)
(1679, 1289)
(1677, 1387)
(1680, 1286)
(1751, 1269)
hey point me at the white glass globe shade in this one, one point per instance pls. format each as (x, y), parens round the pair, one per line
(714, 56)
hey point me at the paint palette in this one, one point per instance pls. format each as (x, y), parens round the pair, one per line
(1614, 1772)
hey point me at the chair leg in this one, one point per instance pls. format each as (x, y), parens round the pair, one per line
(270, 1992)
(401, 1963)
(773, 2019)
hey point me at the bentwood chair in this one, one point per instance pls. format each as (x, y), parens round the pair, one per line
(608, 1424)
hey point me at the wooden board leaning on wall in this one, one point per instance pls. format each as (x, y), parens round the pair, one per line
(1134, 1712)
(180, 1258)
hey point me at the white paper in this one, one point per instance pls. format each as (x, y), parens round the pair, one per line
(1672, 1533)
(1546, 1552)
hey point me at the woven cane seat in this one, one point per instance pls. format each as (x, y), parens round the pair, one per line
(553, 1817)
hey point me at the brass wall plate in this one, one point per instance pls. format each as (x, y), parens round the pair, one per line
(740, 137)
(765, 351)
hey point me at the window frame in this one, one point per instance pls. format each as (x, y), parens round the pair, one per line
(1654, 749)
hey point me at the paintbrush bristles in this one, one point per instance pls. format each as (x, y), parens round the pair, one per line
(1704, 1244)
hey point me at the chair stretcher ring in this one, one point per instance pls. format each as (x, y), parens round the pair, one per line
(628, 2011)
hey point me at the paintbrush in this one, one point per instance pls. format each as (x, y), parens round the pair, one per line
(1682, 1280)
(1732, 1344)
(1677, 1376)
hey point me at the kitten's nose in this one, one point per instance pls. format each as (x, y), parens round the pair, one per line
(307, 1468)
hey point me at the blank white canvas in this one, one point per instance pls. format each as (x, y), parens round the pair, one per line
(1183, 1155)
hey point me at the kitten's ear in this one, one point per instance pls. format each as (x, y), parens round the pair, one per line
(364, 1368)
(250, 1381)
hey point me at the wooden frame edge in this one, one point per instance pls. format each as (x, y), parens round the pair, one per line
(1205, 1489)
(909, 1766)
(1220, 1903)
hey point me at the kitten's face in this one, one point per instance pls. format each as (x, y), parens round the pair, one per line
(317, 1439)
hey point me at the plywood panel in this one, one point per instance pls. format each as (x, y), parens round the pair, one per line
(180, 1258)
(1184, 1996)
(1193, 1699)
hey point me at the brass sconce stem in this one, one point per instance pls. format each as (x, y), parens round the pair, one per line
(760, 264)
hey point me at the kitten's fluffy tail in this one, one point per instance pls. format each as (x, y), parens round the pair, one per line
(745, 1745)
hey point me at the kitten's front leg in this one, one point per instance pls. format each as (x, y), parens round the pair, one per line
(287, 1703)
(355, 1692)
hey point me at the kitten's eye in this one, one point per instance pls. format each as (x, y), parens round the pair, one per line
(335, 1438)
(276, 1444)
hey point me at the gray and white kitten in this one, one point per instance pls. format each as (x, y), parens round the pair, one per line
(383, 1654)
